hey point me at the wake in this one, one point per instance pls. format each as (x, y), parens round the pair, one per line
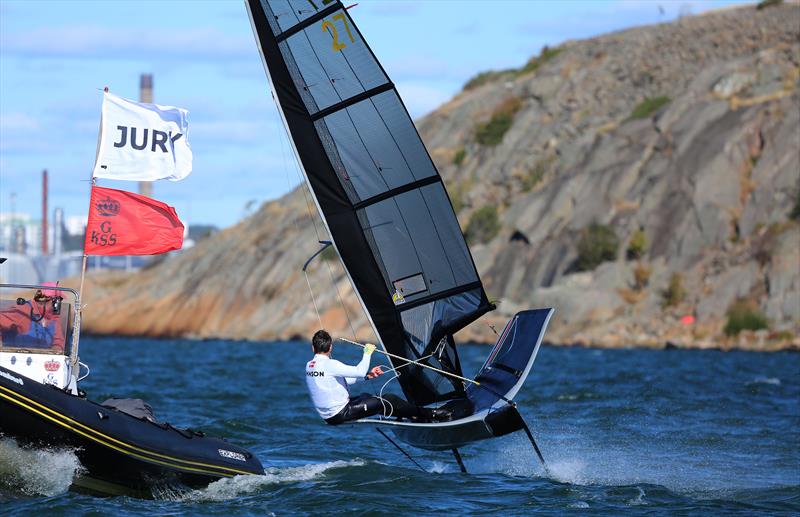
(709, 472)
(238, 486)
(36, 472)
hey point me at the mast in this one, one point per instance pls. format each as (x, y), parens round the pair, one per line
(76, 329)
(374, 185)
(44, 213)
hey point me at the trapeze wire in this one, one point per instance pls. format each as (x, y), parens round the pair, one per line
(384, 401)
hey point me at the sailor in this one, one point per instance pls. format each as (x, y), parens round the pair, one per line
(327, 381)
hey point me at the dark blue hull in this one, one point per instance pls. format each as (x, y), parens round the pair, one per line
(121, 454)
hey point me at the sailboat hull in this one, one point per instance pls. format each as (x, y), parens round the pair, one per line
(452, 435)
(120, 454)
(491, 412)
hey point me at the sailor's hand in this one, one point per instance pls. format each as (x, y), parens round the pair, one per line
(369, 348)
(375, 372)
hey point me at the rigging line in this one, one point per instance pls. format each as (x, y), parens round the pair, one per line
(288, 135)
(295, 220)
(385, 401)
(396, 376)
(304, 187)
(341, 300)
(286, 173)
(366, 149)
(442, 372)
(313, 300)
(389, 354)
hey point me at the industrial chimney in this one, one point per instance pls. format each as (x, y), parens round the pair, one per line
(44, 212)
(146, 95)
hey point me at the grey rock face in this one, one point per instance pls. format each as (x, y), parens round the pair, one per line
(710, 176)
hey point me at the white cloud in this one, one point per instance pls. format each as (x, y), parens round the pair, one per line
(16, 122)
(422, 97)
(91, 41)
(392, 7)
(22, 133)
(411, 67)
(232, 132)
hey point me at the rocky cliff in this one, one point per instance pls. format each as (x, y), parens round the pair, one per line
(644, 183)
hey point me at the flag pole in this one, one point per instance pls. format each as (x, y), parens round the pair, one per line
(76, 329)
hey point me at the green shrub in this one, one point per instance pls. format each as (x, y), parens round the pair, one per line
(744, 315)
(456, 193)
(674, 293)
(534, 63)
(641, 276)
(796, 210)
(458, 158)
(483, 226)
(637, 246)
(597, 244)
(763, 4)
(487, 77)
(491, 132)
(534, 176)
(649, 106)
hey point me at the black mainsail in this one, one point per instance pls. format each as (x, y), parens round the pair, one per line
(376, 187)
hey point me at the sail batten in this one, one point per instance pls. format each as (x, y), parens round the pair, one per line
(352, 100)
(374, 184)
(307, 22)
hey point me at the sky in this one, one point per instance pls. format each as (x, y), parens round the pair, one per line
(55, 58)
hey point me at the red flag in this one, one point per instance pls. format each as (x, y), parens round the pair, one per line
(124, 223)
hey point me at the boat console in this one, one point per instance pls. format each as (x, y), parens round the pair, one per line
(38, 337)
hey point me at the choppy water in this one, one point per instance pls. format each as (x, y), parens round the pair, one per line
(623, 431)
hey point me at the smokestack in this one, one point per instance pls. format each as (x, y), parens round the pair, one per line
(44, 212)
(146, 95)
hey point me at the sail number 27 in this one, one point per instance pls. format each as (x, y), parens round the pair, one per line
(330, 27)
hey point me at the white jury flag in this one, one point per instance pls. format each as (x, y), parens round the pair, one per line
(142, 142)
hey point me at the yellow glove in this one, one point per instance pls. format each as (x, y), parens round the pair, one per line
(369, 348)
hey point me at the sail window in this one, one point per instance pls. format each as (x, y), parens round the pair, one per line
(417, 231)
(410, 285)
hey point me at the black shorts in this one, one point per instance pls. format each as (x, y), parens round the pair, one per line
(365, 405)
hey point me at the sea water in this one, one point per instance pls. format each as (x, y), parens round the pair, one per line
(622, 431)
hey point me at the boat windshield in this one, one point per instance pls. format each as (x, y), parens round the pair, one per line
(35, 320)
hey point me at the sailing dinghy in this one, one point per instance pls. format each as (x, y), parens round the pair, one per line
(391, 222)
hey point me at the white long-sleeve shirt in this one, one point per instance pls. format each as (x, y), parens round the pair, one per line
(327, 381)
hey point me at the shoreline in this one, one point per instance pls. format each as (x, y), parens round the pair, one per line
(769, 347)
